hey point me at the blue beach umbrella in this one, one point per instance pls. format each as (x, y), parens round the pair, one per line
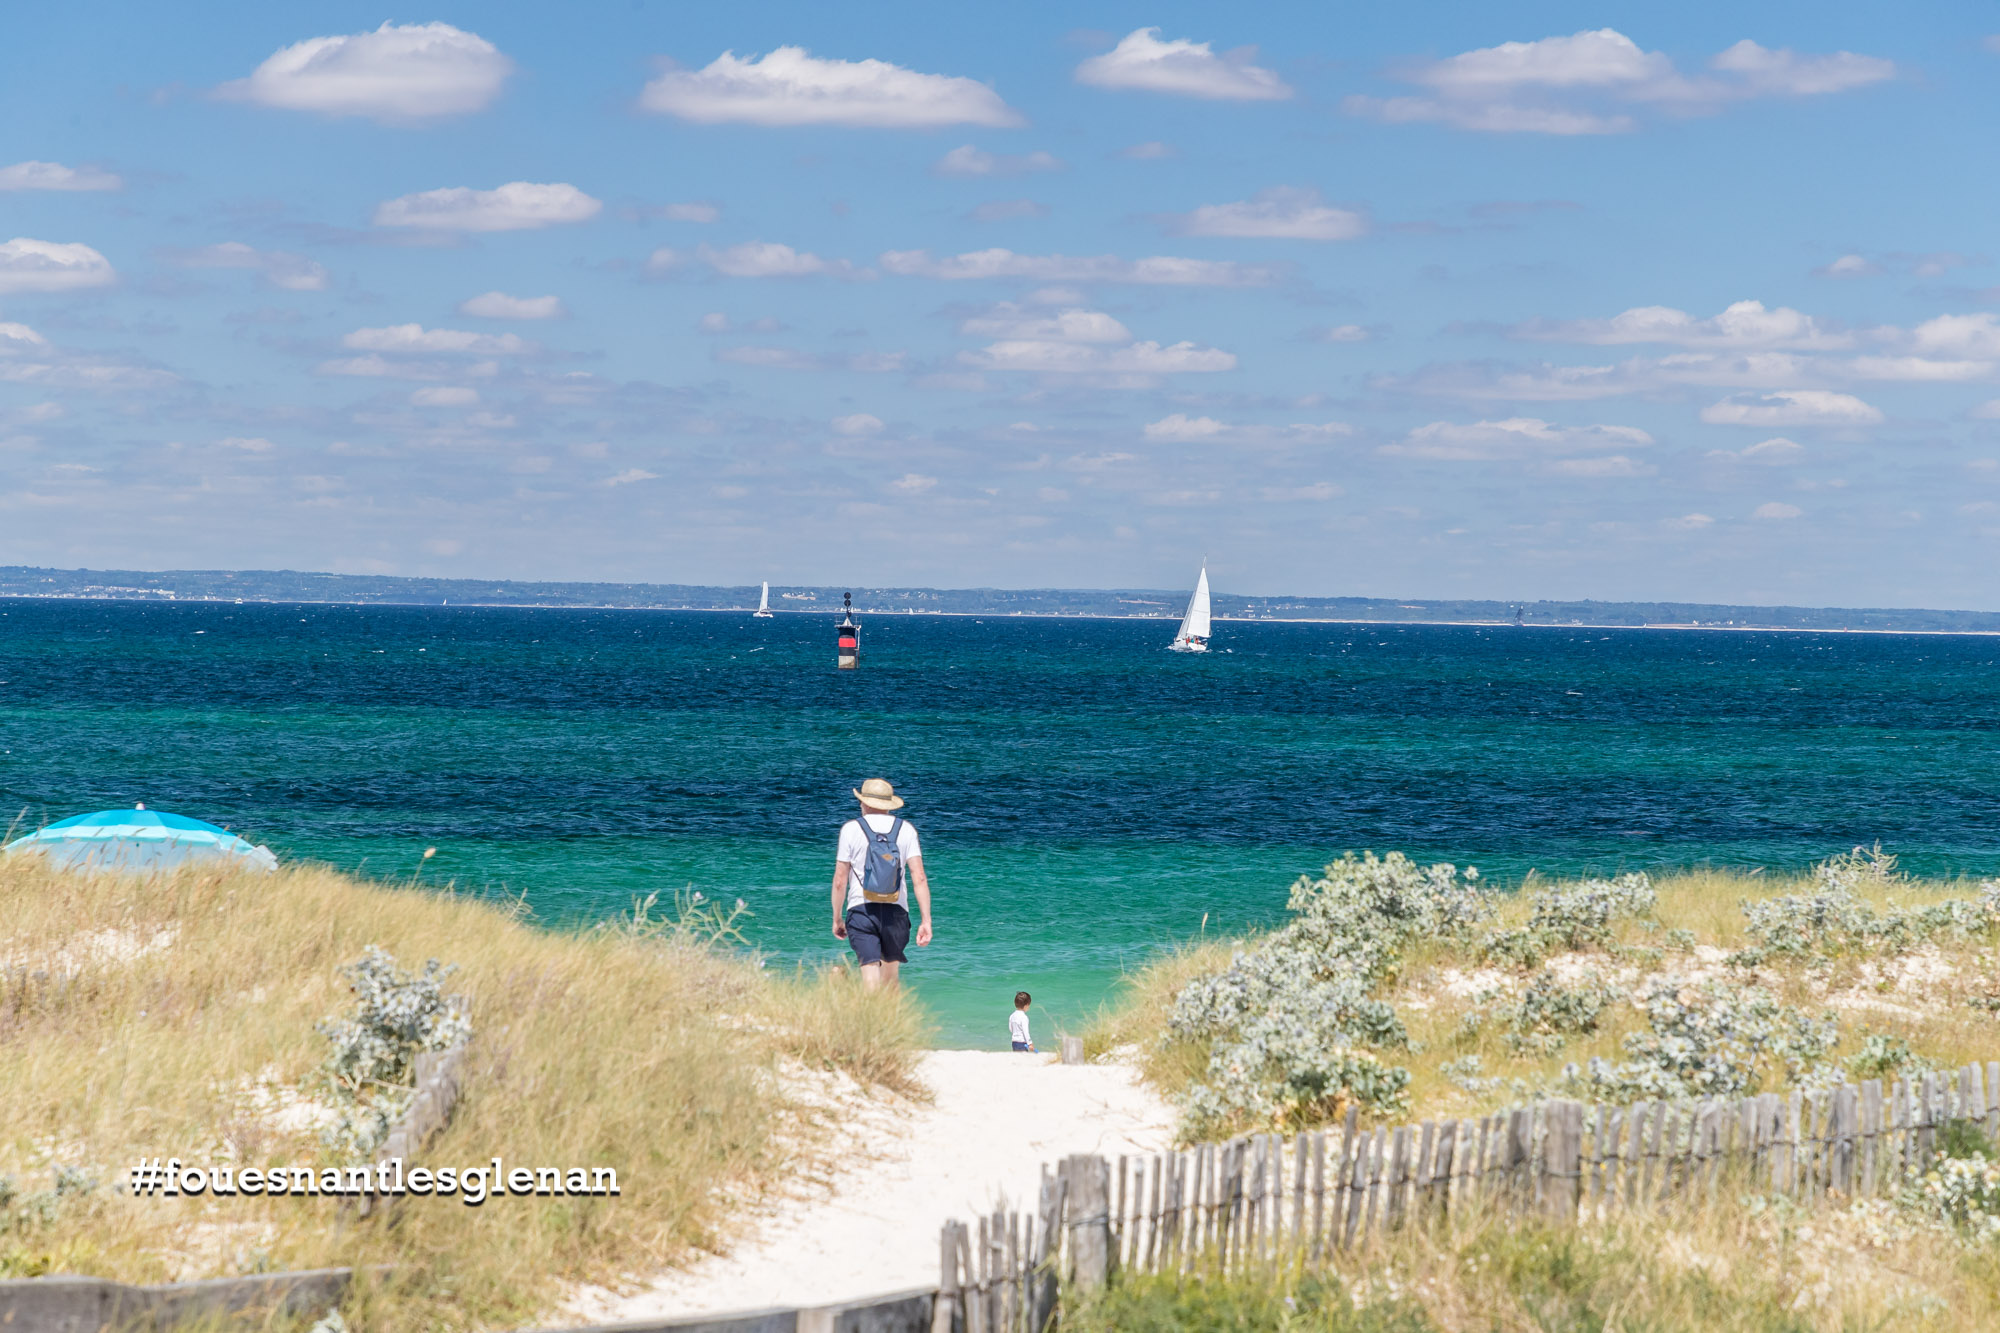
(138, 840)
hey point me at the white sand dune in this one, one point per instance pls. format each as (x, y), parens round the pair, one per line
(873, 1227)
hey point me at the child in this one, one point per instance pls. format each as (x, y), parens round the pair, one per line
(1017, 1023)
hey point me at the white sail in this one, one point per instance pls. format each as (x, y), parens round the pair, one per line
(1194, 625)
(764, 601)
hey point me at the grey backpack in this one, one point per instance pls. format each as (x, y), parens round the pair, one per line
(882, 862)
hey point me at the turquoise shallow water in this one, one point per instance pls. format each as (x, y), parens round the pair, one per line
(1084, 796)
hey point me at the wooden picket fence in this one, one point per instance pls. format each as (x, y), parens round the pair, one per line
(1263, 1197)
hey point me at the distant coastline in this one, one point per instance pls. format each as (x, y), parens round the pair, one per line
(309, 588)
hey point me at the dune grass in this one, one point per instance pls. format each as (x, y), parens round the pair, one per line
(1929, 997)
(177, 1017)
(1727, 1269)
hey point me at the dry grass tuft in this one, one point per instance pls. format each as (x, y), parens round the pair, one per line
(176, 1017)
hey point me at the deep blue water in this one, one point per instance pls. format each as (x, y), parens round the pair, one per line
(1083, 795)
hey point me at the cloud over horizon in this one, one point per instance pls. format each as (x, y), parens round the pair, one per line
(408, 73)
(1182, 68)
(790, 86)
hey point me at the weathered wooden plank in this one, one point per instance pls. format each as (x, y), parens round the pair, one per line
(1444, 1168)
(1993, 1100)
(1313, 1249)
(1357, 1184)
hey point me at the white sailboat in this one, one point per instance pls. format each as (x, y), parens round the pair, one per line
(1193, 634)
(763, 611)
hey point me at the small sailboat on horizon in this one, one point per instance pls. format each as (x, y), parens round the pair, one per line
(763, 611)
(1192, 637)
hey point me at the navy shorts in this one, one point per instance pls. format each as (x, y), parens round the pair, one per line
(878, 932)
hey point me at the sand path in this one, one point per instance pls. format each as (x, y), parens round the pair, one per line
(872, 1228)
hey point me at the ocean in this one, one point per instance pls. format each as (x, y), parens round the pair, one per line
(1084, 796)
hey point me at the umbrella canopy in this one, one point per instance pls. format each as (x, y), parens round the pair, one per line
(138, 840)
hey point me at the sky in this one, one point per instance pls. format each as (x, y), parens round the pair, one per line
(1448, 300)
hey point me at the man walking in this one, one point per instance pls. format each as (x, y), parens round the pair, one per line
(878, 863)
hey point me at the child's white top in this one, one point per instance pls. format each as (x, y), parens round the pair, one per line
(1017, 1026)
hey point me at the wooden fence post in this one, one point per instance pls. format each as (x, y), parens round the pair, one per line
(1072, 1050)
(1089, 1222)
(1562, 1159)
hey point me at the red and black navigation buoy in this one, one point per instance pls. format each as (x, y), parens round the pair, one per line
(850, 634)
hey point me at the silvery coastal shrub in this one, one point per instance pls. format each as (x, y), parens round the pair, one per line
(1832, 919)
(397, 1015)
(1571, 916)
(1708, 1039)
(1290, 1021)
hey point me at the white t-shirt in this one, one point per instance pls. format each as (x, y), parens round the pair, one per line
(1017, 1027)
(854, 851)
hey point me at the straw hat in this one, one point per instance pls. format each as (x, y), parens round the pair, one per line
(877, 794)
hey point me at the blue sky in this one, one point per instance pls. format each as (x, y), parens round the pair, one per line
(1447, 300)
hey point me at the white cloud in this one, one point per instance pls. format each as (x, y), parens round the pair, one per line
(914, 483)
(1508, 438)
(1775, 452)
(1583, 83)
(1849, 266)
(1062, 358)
(768, 259)
(444, 396)
(1986, 411)
(1784, 72)
(1915, 369)
(516, 206)
(1744, 324)
(499, 305)
(56, 176)
(417, 338)
(1283, 213)
(630, 475)
(1615, 465)
(966, 160)
(1163, 270)
(1958, 336)
(254, 444)
(1180, 426)
(1184, 68)
(1343, 333)
(1776, 509)
(20, 338)
(1791, 407)
(28, 265)
(1150, 151)
(409, 73)
(293, 273)
(791, 87)
(717, 322)
(1690, 522)
(860, 423)
(1076, 326)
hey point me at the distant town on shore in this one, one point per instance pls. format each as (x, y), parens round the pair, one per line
(291, 586)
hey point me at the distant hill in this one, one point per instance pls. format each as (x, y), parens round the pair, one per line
(284, 585)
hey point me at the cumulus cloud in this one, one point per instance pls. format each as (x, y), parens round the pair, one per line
(1509, 438)
(395, 74)
(966, 160)
(1162, 270)
(499, 305)
(791, 87)
(859, 423)
(516, 206)
(629, 476)
(417, 338)
(1848, 266)
(28, 265)
(1791, 407)
(1067, 358)
(1591, 82)
(1971, 336)
(768, 259)
(1011, 321)
(1283, 213)
(1776, 509)
(1184, 68)
(444, 396)
(1745, 324)
(56, 176)
(1614, 465)
(1775, 452)
(715, 322)
(19, 337)
(1180, 428)
(290, 272)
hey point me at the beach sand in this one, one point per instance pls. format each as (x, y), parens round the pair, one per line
(872, 1226)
